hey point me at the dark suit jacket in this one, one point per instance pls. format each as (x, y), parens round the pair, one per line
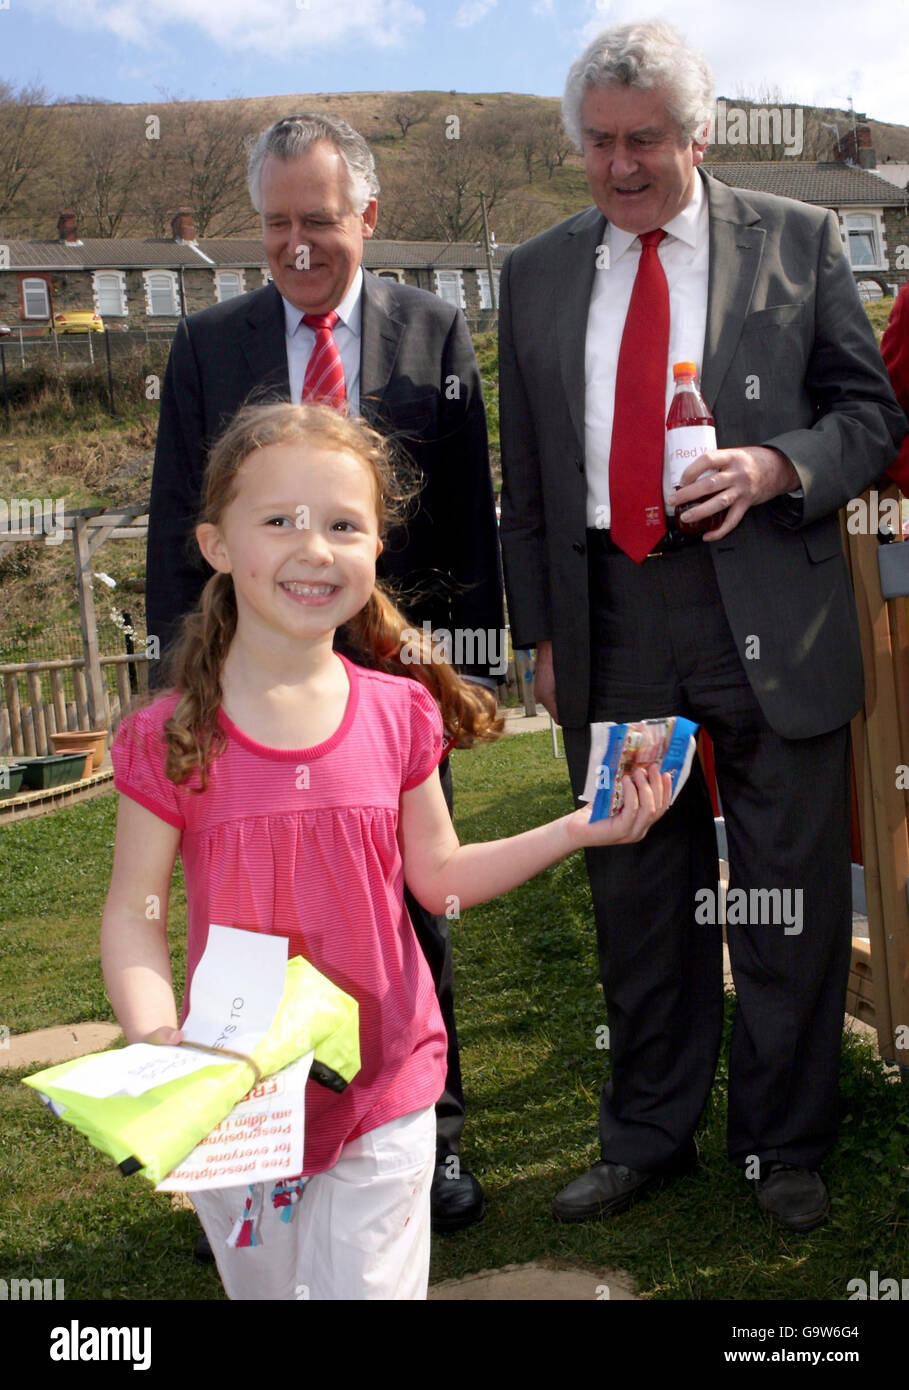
(418, 380)
(789, 360)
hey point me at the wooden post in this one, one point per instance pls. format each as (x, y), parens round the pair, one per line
(123, 689)
(880, 734)
(94, 677)
(28, 733)
(11, 687)
(82, 719)
(36, 700)
(56, 681)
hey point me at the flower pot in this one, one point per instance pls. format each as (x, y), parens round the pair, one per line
(55, 770)
(77, 740)
(12, 781)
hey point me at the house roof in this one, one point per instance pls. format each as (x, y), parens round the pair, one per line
(101, 253)
(149, 253)
(828, 185)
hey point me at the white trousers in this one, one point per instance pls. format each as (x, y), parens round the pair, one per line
(359, 1231)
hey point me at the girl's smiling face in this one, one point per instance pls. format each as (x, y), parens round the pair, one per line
(300, 538)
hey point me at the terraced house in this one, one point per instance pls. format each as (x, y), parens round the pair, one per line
(150, 282)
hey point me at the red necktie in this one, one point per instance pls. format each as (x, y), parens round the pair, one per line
(324, 380)
(637, 512)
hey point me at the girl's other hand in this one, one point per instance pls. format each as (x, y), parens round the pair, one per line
(647, 796)
(164, 1037)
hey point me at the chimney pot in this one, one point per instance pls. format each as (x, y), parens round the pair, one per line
(183, 225)
(66, 226)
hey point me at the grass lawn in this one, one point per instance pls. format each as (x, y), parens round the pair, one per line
(529, 1005)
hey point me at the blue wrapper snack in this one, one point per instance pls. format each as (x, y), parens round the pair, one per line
(617, 748)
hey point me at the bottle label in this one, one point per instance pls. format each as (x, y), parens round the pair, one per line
(684, 444)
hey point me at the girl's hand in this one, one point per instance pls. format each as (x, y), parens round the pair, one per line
(164, 1037)
(647, 797)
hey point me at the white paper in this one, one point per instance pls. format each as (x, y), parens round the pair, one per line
(236, 991)
(236, 988)
(134, 1070)
(260, 1140)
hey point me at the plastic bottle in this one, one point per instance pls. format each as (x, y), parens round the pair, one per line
(690, 432)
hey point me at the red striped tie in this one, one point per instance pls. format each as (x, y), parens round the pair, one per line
(637, 513)
(324, 380)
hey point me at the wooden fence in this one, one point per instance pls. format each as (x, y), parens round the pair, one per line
(33, 703)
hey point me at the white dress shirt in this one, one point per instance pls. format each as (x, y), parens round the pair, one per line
(301, 340)
(684, 254)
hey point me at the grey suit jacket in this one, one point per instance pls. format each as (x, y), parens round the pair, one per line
(419, 382)
(789, 360)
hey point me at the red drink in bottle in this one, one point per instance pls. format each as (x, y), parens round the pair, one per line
(689, 433)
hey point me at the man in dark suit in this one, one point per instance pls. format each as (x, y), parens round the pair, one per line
(751, 631)
(407, 366)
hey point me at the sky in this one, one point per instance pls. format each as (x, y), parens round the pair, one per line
(816, 52)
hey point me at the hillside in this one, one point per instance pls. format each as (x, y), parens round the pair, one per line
(125, 168)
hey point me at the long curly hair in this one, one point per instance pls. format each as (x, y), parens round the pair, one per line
(374, 635)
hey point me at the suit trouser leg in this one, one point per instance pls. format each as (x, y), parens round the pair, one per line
(435, 942)
(662, 978)
(661, 644)
(789, 928)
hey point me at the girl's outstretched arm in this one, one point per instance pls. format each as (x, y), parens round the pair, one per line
(438, 869)
(134, 951)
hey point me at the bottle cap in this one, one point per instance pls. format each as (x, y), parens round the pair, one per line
(684, 369)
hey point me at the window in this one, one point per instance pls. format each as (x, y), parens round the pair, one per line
(450, 287)
(391, 275)
(109, 288)
(161, 292)
(228, 284)
(266, 276)
(864, 243)
(483, 282)
(35, 299)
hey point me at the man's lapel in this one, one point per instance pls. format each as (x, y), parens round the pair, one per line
(261, 341)
(576, 272)
(736, 246)
(381, 330)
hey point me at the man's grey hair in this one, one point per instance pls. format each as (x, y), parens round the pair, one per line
(645, 56)
(292, 136)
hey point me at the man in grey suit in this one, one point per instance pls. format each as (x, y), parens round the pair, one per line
(750, 630)
(409, 370)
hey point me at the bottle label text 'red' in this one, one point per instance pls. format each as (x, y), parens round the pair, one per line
(684, 444)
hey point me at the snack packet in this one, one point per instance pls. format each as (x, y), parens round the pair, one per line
(616, 748)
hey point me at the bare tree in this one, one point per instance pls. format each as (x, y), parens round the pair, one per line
(555, 143)
(759, 125)
(24, 143)
(436, 196)
(207, 162)
(409, 111)
(100, 169)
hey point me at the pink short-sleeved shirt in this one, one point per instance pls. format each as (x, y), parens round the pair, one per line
(303, 843)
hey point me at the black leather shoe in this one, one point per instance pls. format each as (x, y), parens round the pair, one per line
(202, 1251)
(457, 1198)
(795, 1196)
(603, 1190)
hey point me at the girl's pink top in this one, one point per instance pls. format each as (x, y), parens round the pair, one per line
(303, 843)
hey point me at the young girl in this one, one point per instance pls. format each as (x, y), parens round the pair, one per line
(301, 791)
